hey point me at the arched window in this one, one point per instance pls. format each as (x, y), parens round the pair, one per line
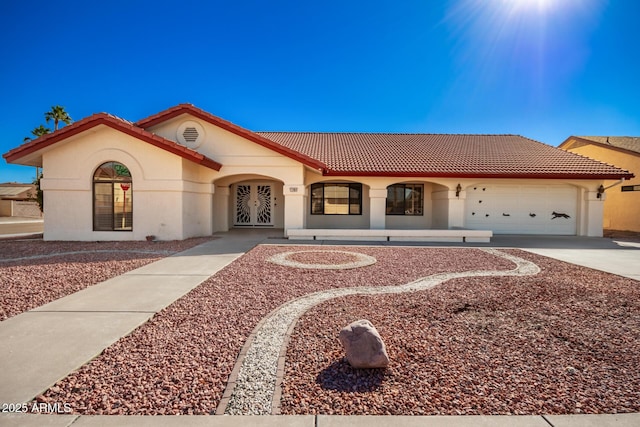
(112, 198)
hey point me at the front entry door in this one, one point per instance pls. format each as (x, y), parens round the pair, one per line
(254, 205)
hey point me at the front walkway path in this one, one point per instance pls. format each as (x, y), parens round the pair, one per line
(44, 345)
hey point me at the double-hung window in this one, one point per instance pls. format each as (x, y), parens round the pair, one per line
(336, 199)
(405, 199)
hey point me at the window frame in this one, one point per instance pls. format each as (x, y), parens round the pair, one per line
(403, 186)
(112, 181)
(351, 186)
(629, 188)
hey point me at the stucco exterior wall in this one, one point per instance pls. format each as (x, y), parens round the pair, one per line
(68, 187)
(237, 155)
(621, 209)
(196, 214)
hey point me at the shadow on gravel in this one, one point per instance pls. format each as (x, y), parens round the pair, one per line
(340, 376)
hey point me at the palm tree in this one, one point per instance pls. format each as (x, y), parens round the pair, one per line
(38, 132)
(57, 114)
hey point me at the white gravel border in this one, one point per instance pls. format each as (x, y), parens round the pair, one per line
(257, 386)
(283, 259)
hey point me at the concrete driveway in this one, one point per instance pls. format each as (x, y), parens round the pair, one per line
(617, 256)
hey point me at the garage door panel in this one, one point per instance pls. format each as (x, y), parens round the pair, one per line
(510, 209)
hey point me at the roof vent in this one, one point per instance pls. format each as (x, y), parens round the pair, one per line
(191, 134)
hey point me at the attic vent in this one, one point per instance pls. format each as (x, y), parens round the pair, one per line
(191, 134)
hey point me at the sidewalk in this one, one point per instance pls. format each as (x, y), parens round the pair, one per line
(616, 420)
(42, 346)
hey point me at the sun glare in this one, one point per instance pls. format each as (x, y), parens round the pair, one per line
(529, 6)
(526, 45)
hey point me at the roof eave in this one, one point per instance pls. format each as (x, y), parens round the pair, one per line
(104, 119)
(44, 142)
(599, 144)
(397, 174)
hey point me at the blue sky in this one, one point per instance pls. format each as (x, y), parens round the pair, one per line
(545, 69)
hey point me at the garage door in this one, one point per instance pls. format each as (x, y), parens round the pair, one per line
(522, 209)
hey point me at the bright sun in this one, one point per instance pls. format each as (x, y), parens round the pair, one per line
(541, 6)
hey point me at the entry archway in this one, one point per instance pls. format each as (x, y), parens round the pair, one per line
(248, 201)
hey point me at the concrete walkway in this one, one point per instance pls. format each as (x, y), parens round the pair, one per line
(616, 420)
(44, 345)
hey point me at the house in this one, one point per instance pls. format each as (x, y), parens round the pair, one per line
(622, 204)
(17, 200)
(184, 172)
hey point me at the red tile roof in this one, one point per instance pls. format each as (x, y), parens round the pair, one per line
(367, 154)
(409, 155)
(114, 123)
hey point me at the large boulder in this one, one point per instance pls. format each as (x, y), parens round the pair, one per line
(363, 345)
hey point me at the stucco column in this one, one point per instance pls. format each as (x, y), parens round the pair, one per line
(294, 207)
(593, 215)
(220, 211)
(456, 209)
(377, 208)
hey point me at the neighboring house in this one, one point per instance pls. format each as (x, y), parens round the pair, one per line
(622, 203)
(184, 172)
(17, 200)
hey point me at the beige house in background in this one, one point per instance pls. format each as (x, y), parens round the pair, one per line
(16, 200)
(184, 172)
(622, 205)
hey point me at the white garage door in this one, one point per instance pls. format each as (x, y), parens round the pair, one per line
(522, 209)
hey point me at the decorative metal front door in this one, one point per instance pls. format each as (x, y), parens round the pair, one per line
(254, 205)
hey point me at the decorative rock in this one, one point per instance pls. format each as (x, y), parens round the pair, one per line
(363, 345)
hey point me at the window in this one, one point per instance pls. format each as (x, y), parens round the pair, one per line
(405, 199)
(630, 188)
(336, 199)
(112, 198)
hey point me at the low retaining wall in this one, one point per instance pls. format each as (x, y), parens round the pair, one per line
(471, 236)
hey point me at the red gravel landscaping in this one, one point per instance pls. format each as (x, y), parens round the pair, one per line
(564, 341)
(312, 257)
(179, 361)
(34, 272)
